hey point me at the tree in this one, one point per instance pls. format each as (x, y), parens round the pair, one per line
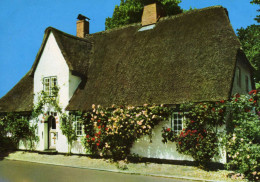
(250, 40)
(130, 11)
(68, 129)
(258, 3)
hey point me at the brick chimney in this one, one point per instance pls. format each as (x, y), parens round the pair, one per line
(82, 26)
(151, 14)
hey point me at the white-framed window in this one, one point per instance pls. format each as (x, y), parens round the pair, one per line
(49, 84)
(177, 119)
(79, 126)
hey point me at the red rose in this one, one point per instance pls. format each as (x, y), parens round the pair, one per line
(97, 144)
(99, 132)
(179, 143)
(213, 109)
(235, 100)
(103, 126)
(88, 141)
(253, 92)
(222, 101)
(106, 129)
(99, 127)
(93, 139)
(168, 129)
(98, 120)
(237, 95)
(87, 136)
(192, 121)
(251, 99)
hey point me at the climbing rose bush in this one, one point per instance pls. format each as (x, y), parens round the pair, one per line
(243, 140)
(112, 131)
(199, 135)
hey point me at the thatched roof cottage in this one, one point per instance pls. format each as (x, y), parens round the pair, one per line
(194, 56)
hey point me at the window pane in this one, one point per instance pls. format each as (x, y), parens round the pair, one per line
(177, 119)
(46, 84)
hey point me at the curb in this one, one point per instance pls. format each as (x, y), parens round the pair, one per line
(119, 171)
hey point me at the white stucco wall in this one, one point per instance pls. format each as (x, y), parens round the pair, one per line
(157, 149)
(52, 63)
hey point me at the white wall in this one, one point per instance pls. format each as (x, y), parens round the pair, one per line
(157, 149)
(52, 63)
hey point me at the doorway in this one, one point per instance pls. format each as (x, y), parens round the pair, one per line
(52, 133)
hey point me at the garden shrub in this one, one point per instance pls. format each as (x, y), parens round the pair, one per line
(112, 131)
(243, 140)
(199, 135)
(15, 127)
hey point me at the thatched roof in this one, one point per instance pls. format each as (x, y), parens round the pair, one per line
(76, 51)
(187, 57)
(20, 97)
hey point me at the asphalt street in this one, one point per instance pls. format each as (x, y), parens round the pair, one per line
(18, 171)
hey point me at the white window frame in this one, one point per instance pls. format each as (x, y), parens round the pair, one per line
(49, 83)
(177, 118)
(78, 126)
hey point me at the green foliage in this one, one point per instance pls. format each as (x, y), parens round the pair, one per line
(68, 129)
(130, 11)
(199, 136)
(258, 3)
(250, 40)
(46, 102)
(168, 135)
(15, 127)
(243, 139)
(113, 131)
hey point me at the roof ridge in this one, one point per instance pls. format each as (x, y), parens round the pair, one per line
(64, 33)
(161, 19)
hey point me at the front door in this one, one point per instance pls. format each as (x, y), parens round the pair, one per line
(52, 133)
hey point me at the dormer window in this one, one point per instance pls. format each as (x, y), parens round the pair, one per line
(49, 84)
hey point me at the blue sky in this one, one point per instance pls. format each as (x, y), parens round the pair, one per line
(22, 25)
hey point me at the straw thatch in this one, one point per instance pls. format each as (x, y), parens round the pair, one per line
(20, 97)
(76, 51)
(187, 57)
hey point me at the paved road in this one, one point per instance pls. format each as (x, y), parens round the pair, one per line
(18, 171)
